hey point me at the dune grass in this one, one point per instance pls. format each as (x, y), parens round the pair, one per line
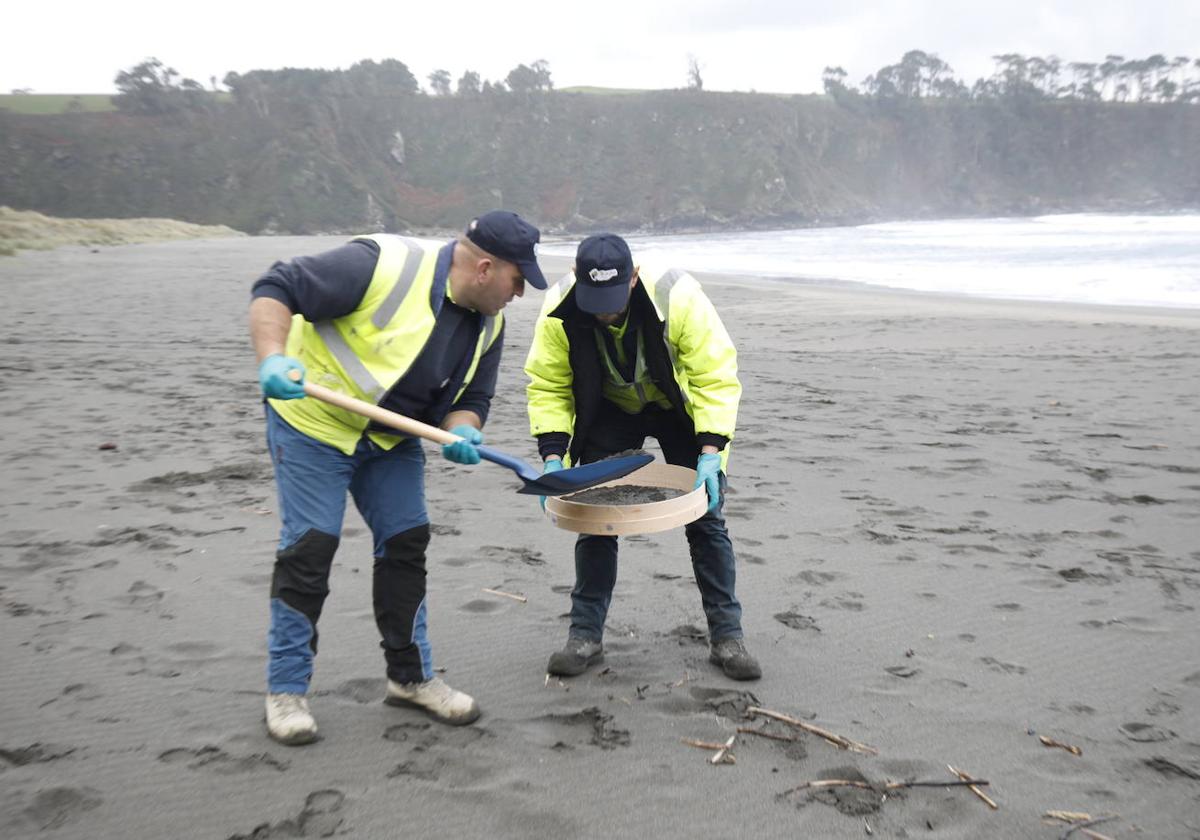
(26, 230)
(56, 103)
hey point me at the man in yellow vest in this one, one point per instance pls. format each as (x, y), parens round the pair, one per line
(620, 353)
(411, 325)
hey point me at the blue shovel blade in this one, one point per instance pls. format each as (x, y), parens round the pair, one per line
(566, 481)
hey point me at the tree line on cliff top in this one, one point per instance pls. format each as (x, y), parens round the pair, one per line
(1116, 79)
(152, 87)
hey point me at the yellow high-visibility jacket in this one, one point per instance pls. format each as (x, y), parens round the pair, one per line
(366, 352)
(689, 358)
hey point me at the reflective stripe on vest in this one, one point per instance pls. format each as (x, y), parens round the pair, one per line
(640, 376)
(412, 262)
(381, 317)
(662, 298)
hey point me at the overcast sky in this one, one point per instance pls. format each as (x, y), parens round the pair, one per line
(780, 45)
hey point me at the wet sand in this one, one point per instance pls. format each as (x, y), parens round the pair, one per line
(961, 525)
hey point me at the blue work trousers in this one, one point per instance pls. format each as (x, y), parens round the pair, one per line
(711, 550)
(388, 487)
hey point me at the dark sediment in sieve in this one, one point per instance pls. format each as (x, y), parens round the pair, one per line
(624, 494)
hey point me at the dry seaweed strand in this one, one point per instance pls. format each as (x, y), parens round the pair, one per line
(831, 737)
(1050, 742)
(966, 776)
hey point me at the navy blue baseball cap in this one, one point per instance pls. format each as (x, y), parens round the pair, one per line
(603, 269)
(509, 237)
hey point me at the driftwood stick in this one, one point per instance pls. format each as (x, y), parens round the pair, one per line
(1083, 826)
(831, 737)
(828, 783)
(760, 733)
(520, 598)
(704, 745)
(723, 752)
(975, 790)
(1050, 742)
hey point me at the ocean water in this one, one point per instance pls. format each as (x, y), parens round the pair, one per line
(1131, 260)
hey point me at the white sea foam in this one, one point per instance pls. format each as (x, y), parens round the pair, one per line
(1087, 258)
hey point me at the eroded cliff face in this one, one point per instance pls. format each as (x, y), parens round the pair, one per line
(659, 161)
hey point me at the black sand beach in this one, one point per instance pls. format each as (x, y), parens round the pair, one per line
(961, 525)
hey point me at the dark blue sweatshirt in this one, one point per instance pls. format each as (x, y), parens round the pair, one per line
(331, 284)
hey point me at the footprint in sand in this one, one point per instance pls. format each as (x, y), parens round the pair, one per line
(481, 606)
(1002, 667)
(55, 807)
(723, 701)
(142, 596)
(507, 555)
(36, 753)
(796, 621)
(320, 817)
(851, 801)
(815, 578)
(216, 760)
(1145, 733)
(359, 690)
(435, 752)
(587, 727)
(688, 634)
(849, 601)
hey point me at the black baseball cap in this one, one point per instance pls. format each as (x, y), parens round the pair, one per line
(603, 268)
(509, 237)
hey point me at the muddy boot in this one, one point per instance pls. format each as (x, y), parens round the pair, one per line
(734, 659)
(576, 657)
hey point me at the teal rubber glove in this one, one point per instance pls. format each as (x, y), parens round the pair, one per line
(551, 465)
(708, 470)
(463, 451)
(274, 380)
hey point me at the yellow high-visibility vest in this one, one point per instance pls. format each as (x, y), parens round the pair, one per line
(365, 352)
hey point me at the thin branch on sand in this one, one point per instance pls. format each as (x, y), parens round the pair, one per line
(704, 745)
(830, 783)
(749, 730)
(1050, 742)
(975, 790)
(520, 598)
(723, 754)
(831, 737)
(1080, 822)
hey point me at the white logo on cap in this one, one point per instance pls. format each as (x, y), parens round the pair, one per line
(602, 275)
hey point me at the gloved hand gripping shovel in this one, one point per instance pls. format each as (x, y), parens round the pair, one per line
(535, 484)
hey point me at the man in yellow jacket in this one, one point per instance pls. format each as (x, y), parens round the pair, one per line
(620, 353)
(416, 327)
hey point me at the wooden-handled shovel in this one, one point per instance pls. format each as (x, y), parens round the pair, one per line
(534, 483)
